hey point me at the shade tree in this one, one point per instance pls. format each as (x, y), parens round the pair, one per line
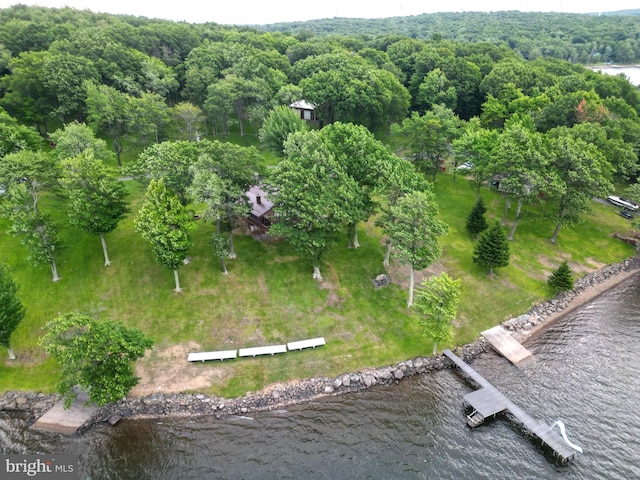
(15, 137)
(169, 161)
(189, 120)
(401, 178)
(107, 113)
(521, 158)
(414, 232)
(165, 223)
(148, 117)
(583, 173)
(237, 168)
(75, 138)
(427, 138)
(95, 355)
(366, 160)
(311, 193)
(436, 305)
(26, 175)
(96, 197)
(476, 145)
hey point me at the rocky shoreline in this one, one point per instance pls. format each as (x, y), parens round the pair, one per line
(31, 405)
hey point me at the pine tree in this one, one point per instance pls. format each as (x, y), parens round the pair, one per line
(561, 278)
(11, 309)
(492, 250)
(476, 223)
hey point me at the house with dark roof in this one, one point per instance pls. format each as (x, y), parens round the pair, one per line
(261, 215)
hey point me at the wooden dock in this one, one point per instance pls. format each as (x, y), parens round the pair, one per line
(502, 341)
(489, 401)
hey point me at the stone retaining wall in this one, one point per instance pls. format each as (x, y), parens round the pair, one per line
(32, 405)
(540, 312)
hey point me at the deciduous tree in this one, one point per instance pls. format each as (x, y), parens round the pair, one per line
(189, 120)
(96, 197)
(311, 195)
(366, 160)
(107, 112)
(169, 161)
(147, 116)
(165, 223)
(427, 137)
(583, 173)
(402, 178)
(436, 304)
(415, 231)
(75, 138)
(521, 158)
(237, 168)
(96, 355)
(26, 175)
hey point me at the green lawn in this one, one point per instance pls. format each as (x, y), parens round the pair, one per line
(269, 296)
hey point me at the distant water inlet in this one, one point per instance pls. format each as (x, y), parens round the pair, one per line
(632, 72)
(585, 375)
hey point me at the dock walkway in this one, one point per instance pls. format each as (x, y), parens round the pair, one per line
(489, 401)
(502, 341)
(67, 422)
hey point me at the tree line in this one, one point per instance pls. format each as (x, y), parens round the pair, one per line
(577, 38)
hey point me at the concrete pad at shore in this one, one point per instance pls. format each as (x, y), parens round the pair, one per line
(67, 422)
(502, 341)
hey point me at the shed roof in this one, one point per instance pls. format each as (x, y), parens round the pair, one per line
(303, 105)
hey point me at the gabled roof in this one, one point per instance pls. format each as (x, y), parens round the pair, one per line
(303, 105)
(258, 209)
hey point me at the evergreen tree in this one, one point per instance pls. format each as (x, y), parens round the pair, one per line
(11, 309)
(476, 223)
(561, 278)
(492, 250)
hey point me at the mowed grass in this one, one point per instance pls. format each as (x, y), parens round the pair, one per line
(269, 296)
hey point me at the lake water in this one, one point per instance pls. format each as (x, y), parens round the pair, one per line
(632, 72)
(585, 373)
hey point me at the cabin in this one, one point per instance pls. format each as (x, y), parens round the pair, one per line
(306, 110)
(261, 215)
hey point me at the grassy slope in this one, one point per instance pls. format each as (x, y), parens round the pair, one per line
(269, 295)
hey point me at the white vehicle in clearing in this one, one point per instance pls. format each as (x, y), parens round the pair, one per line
(623, 203)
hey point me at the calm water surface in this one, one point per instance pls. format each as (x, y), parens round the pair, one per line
(586, 374)
(632, 72)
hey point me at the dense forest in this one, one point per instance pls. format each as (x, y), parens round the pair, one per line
(576, 38)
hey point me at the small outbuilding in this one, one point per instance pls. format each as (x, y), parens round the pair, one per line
(306, 110)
